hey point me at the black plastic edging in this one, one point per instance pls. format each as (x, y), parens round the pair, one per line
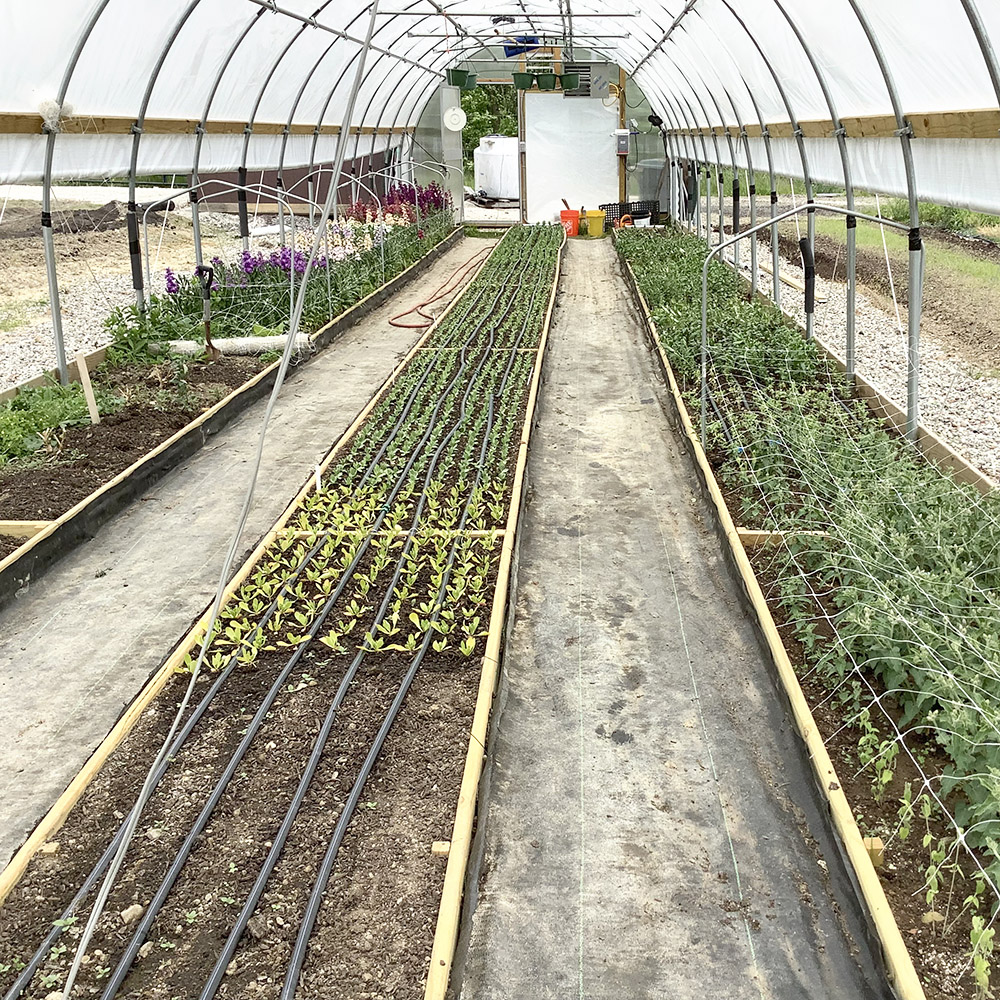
(105, 502)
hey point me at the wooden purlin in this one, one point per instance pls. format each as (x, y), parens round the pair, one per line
(972, 124)
(33, 124)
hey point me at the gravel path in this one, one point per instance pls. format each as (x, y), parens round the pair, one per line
(958, 402)
(28, 350)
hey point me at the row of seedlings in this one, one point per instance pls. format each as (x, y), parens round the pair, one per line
(381, 584)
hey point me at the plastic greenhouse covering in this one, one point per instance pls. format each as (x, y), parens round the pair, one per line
(267, 83)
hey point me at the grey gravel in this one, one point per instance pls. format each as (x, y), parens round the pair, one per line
(28, 351)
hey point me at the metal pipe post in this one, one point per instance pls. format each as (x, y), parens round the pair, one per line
(196, 224)
(811, 237)
(50, 269)
(280, 185)
(736, 218)
(775, 250)
(914, 308)
(852, 281)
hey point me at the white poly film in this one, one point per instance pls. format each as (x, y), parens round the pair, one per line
(952, 171)
(158, 154)
(706, 63)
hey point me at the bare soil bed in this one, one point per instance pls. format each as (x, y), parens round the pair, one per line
(82, 459)
(375, 929)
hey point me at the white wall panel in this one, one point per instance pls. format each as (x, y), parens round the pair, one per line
(569, 153)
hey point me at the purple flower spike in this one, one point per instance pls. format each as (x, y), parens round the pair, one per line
(173, 285)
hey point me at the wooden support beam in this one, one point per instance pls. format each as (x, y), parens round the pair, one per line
(971, 124)
(88, 389)
(362, 533)
(753, 539)
(32, 124)
(876, 851)
(790, 280)
(22, 529)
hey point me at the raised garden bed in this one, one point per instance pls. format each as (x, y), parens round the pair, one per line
(388, 583)
(160, 414)
(873, 562)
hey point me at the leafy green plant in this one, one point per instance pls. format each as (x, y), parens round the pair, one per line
(888, 576)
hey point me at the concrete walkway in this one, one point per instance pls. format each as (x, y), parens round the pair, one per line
(76, 648)
(649, 829)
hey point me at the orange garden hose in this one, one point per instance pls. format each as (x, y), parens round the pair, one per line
(450, 286)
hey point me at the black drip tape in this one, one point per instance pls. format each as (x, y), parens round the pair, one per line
(241, 202)
(135, 253)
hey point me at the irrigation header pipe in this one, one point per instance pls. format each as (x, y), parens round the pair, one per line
(913, 348)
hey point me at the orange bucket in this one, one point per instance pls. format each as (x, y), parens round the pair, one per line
(571, 222)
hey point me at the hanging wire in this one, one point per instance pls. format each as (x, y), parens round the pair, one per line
(888, 268)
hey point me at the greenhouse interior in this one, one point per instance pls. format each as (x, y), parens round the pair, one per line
(500, 505)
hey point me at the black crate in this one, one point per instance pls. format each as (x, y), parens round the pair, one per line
(614, 212)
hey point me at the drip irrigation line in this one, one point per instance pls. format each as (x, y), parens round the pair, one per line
(300, 949)
(27, 974)
(139, 936)
(278, 841)
(347, 813)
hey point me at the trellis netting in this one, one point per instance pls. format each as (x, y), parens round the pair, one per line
(267, 82)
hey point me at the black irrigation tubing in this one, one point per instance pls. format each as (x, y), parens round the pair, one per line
(27, 974)
(139, 936)
(298, 957)
(300, 949)
(476, 300)
(278, 841)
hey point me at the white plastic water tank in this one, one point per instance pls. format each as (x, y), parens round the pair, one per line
(496, 167)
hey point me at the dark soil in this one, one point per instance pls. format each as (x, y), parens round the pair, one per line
(375, 930)
(85, 458)
(23, 223)
(9, 544)
(976, 246)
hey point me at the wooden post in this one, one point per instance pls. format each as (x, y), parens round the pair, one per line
(88, 389)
